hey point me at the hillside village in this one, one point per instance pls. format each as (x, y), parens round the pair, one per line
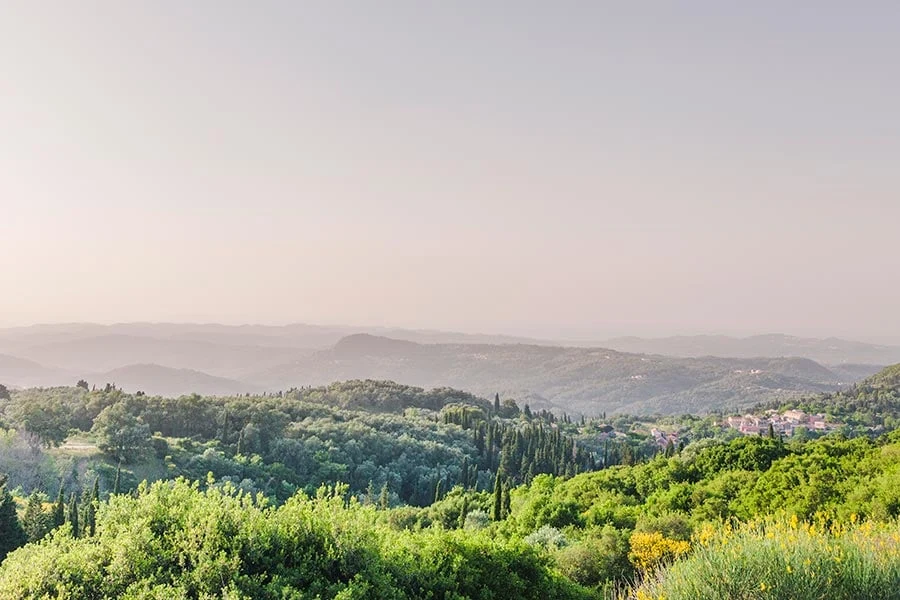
(785, 423)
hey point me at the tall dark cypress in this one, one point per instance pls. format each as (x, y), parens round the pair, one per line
(498, 498)
(90, 516)
(12, 535)
(59, 508)
(437, 491)
(73, 515)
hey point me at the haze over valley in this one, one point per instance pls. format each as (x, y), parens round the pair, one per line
(686, 374)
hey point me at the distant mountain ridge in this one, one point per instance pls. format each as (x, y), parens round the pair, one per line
(588, 380)
(217, 359)
(22, 372)
(829, 351)
(165, 381)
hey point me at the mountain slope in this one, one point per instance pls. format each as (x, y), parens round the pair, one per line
(21, 372)
(827, 351)
(589, 380)
(102, 353)
(889, 377)
(165, 381)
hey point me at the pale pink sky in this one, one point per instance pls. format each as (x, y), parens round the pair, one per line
(570, 168)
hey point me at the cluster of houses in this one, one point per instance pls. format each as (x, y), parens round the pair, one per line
(662, 438)
(781, 423)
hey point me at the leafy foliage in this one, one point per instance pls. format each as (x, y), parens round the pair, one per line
(175, 541)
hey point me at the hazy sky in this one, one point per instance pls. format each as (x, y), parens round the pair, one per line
(545, 168)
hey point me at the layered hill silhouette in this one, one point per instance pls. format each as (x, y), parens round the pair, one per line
(174, 359)
(831, 351)
(165, 381)
(586, 380)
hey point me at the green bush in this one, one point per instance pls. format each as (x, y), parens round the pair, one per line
(174, 541)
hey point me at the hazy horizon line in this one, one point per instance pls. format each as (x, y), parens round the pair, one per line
(561, 336)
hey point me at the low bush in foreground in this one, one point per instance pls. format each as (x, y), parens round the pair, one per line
(781, 558)
(175, 542)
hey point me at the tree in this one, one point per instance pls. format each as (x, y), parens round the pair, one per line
(463, 512)
(90, 517)
(509, 408)
(11, 533)
(46, 420)
(36, 521)
(497, 512)
(58, 514)
(384, 498)
(82, 384)
(496, 404)
(4, 393)
(122, 434)
(90, 499)
(73, 514)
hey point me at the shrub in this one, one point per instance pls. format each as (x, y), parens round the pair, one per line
(785, 559)
(651, 549)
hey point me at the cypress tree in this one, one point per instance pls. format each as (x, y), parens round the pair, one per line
(437, 491)
(11, 533)
(90, 519)
(59, 509)
(73, 514)
(497, 404)
(771, 432)
(90, 509)
(498, 498)
(465, 472)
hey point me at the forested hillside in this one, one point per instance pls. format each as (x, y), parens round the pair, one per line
(578, 380)
(407, 444)
(369, 489)
(872, 403)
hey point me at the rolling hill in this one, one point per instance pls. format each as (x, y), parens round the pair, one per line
(21, 372)
(102, 353)
(829, 351)
(587, 380)
(164, 381)
(234, 359)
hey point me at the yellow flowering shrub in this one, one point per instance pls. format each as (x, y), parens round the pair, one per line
(781, 558)
(649, 550)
